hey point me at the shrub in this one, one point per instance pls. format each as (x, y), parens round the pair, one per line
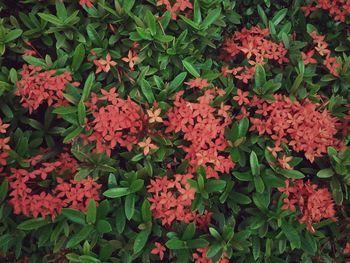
(174, 131)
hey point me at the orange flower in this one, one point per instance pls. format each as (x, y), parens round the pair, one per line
(131, 59)
(147, 146)
(284, 162)
(104, 64)
(159, 249)
(154, 115)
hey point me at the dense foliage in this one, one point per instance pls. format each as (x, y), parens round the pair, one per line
(174, 131)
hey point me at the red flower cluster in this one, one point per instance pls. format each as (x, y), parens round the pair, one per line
(179, 5)
(37, 87)
(314, 204)
(299, 124)
(116, 122)
(255, 47)
(200, 256)
(4, 147)
(338, 9)
(322, 48)
(172, 199)
(203, 126)
(30, 199)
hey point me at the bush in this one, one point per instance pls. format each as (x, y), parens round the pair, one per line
(174, 131)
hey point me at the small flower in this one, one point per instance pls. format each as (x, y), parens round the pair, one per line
(147, 146)
(158, 250)
(104, 64)
(131, 59)
(284, 162)
(154, 115)
(241, 97)
(86, 3)
(197, 83)
(307, 57)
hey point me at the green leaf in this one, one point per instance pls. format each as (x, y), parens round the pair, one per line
(12, 35)
(117, 192)
(256, 247)
(74, 215)
(197, 243)
(147, 90)
(215, 185)
(136, 185)
(294, 174)
(254, 164)
(120, 220)
(337, 191)
(51, 18)
(81, 113)
(278, 17)
(190, 68)
(80, 236)
(3, 190)
(189, 231)
(91, 212)
(87, 87)
(146, 211)
(127, 5)
(259, 184)
(243, 127)
(214, 250)
(262, 16)
(177, 81)
(151, 22)
(65, 110)
(93, 35)
(175, 244)
(213, 14)
(35, 61)
(103, 226)
(129, 206)
(197, 17)
(141, 240)
(325, 173)
(292, 234)
(260, 76)
(78, 57)
(72, 135)
(33, 224)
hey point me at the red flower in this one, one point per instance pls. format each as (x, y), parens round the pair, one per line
(104, 64)
(308, 59)
(241, 97)
(158, 250)
(197, 83)
(86, 3)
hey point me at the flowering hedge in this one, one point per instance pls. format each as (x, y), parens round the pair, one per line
(174, 131)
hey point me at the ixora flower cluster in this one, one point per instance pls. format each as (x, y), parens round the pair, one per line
(298, 124)
(255, 46)
(38, 86)
(28, 197)
(314, 204)
(174, 131)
